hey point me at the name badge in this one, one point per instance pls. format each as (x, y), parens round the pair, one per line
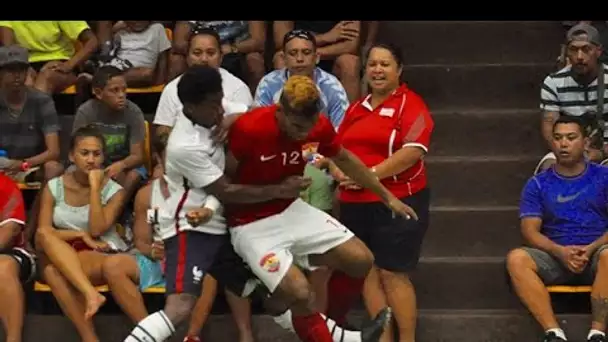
(387, 112)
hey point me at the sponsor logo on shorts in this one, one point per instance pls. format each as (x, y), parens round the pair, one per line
(270, 263)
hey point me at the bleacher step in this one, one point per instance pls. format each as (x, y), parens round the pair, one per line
(474, 41)
(433, 326)
(445, 86)
(478, 180)
(472, 231)
(471, 131)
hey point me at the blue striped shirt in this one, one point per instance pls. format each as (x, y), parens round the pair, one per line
(333, 96)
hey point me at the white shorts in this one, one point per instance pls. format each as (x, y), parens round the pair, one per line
(269, 245)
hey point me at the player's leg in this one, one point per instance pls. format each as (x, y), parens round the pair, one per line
(123, 273)
(327, 242)
(188, 257)
(17, 267)
(264, 246)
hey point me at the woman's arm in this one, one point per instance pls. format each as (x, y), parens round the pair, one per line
(102, 218)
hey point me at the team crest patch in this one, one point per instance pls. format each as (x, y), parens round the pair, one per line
(309, 151)
(270, 263)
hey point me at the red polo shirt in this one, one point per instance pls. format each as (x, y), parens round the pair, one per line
(11, 206)
(373, 135)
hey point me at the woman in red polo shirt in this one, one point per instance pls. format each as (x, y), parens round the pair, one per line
(389, 130)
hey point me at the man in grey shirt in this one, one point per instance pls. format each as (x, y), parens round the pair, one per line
(29, 127)
(122, 124)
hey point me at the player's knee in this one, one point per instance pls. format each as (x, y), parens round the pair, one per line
(360, 261)
(179, 306)
(9, 269)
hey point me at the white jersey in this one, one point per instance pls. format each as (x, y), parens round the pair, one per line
(193, 161)
(156, 202)
(237, 99)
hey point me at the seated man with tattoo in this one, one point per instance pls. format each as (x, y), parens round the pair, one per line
(564, 217)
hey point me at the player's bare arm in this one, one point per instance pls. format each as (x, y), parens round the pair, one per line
(352, 167)
(240, 193)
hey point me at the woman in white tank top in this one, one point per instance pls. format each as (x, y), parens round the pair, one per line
(77, 230)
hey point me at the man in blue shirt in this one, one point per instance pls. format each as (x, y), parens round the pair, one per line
(301, 58)
(564, 220)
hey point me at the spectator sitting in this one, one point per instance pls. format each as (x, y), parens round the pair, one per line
(204, 49)
(17, 264)
(77, 230)
(573, 89)
(301, 56)
(564, 223)
(54, 60)
(241, 44)
(122, 124)
(140, 50)
(338, 45)
(29, 126)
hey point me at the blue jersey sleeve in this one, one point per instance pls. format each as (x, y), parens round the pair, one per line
(531, 200)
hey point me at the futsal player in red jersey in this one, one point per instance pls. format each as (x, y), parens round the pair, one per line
(267, 145)
(17, 264)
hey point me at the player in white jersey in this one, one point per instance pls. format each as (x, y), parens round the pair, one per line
(194, 170)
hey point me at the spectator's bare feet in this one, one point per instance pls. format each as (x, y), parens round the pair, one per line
(93, 305)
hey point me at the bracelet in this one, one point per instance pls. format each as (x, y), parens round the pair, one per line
(25, 165)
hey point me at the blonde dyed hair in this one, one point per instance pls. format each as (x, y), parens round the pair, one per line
(300, 94)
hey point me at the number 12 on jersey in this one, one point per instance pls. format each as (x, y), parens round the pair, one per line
(291, 158)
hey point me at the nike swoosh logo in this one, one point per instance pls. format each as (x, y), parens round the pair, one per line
(267, 158)
(564, 199)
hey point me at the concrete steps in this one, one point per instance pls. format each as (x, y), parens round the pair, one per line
(478, 180)
(452, 86)
(433, 326)
(469, 42)
(473, 132)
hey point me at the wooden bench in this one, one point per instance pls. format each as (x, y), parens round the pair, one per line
(40, 287)
(568, 289)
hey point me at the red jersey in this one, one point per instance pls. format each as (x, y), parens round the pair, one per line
(266, 156)
(11, 206)
(373, 135)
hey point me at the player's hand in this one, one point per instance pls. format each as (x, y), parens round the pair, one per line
(219, 134)
(199, 216)
(292, 186)
(402, 209)
(96, 178)
(157, 252)
(349, 184)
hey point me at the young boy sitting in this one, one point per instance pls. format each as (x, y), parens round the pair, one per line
(122, 124)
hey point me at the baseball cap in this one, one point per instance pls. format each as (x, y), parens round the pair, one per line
(583, 32)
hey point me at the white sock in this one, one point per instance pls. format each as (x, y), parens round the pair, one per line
(155, 328)
(337, 333)
(595, 332)
(284, 320)
(340, 334)
(559, 332)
